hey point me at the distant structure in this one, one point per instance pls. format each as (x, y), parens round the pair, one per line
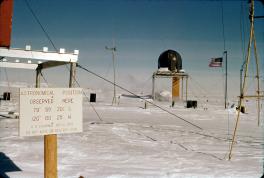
(113, 50)
(171, 60)
(170, 66)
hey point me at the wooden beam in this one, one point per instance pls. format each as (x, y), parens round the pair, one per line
(38, 55)
(50, 64)
(18, 65)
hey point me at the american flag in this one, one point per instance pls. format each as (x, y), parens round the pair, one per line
(216, 62)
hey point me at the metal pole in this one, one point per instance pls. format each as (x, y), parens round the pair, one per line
(153, 86)
(257, 77)
(241, 76)
(114, 67)
(241, 73)
(225, 52)
(182, 88)
(113, 49)
(186, 88)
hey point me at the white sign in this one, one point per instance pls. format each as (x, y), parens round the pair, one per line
(45, 111)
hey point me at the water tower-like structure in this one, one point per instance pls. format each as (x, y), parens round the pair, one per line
(170, 66)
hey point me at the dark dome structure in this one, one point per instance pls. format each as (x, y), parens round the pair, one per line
(170, 59)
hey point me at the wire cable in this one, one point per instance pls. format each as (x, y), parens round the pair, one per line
(41, 26)
(97, 114)
(196, 126)
(199, 87)
(210, 134)
(41, 74)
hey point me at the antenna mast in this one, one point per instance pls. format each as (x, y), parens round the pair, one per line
(252, 38)
(113, 50)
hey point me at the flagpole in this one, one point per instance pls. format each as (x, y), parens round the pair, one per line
(225, 52)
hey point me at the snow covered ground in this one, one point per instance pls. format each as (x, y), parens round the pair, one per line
(131, 141)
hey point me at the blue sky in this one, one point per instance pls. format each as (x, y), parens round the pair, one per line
(141, 29)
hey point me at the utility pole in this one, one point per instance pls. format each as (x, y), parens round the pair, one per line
(113, 50)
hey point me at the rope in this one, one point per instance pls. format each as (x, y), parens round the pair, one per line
(139, 97)
(203, 90)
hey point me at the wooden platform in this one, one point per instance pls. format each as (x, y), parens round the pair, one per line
(169, 74)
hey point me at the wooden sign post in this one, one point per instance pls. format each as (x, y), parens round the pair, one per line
(50, 156)
(39, 114)
(50, 141)
(48, 111)
(50, 146)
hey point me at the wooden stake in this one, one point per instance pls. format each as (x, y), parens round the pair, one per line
(50, 156)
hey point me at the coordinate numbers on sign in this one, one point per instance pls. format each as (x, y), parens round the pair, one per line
(50, 111)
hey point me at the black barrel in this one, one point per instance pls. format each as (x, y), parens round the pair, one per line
(191, 104)
(92, 97)
(194, 104)
(243, 109)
